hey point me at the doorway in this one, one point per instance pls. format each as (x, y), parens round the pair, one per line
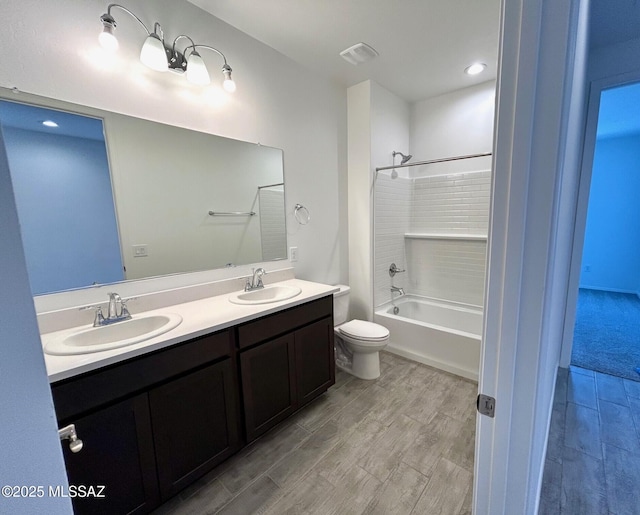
(606, 335)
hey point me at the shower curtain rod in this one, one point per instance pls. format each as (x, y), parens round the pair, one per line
(271, 185)
(418, 163)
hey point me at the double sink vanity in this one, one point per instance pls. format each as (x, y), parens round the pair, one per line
(158, 400)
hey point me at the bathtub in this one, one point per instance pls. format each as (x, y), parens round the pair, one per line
(444, 335)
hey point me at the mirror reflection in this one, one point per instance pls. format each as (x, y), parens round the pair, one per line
(120, 198)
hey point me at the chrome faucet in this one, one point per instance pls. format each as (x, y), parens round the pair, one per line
(114, 300)
(395, 289)
(255, 281)
(117, 311)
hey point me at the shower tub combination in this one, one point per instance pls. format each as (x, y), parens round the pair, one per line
(442, 334)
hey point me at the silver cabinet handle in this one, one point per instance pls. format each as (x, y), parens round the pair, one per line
(69, 433)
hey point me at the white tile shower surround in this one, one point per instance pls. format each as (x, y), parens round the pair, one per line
(272, 224)
(452, 204)
(392, 219)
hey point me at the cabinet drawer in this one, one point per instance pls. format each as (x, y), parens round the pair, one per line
(79, 394)
(283, 322)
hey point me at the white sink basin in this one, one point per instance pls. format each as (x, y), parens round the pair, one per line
(119, 334)
(274, 293)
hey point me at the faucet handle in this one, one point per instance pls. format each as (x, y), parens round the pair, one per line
(260, 272)
(124, 312)
(99, 318)
(393, 270)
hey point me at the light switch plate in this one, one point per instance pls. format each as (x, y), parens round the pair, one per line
(140, 251)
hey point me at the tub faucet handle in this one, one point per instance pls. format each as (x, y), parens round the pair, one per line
(393, 270)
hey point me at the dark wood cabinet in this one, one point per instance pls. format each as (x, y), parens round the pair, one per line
(283, 373)
(117, 454)
(195, 426)
(315, 364)
(153, 424)
(268, 390)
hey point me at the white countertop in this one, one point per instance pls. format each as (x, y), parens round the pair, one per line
(199, 318)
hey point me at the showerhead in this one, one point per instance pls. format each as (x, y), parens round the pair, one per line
(404, 158)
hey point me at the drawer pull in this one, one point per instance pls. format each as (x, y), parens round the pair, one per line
(69, 432)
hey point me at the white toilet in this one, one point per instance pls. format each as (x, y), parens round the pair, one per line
(359, 340)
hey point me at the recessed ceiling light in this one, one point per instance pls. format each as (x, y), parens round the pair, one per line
(49, 123)
(475, 69)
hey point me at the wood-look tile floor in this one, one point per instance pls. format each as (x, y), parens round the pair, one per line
(593, 454)
(401, 444)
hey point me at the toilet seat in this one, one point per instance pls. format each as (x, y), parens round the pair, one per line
(363, 331)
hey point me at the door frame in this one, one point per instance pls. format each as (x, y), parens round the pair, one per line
(538, 135)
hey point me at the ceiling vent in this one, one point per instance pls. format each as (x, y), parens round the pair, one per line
(359, 53)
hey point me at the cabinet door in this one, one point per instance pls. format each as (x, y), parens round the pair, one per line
(315, 367)
(268, 384)
(195, 425)
(117, 453)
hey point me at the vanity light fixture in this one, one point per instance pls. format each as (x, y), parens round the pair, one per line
(49, 123)
(160, 56)
(475, 69)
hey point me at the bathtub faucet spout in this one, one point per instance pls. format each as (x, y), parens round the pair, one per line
(395, 289)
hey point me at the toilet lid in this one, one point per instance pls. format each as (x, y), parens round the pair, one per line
(363, 330)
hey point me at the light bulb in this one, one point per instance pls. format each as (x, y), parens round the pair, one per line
(228, 84)
(107, 38)
(153, 54)
(196, 70)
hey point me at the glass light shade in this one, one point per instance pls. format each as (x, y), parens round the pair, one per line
(196, 70)
(107, 39)
(153, 54)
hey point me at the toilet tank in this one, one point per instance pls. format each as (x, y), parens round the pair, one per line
(341, 305)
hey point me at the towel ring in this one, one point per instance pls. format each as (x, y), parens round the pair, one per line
(301, 214)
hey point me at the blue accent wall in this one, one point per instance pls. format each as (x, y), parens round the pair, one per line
(611, 255)
(66, 210)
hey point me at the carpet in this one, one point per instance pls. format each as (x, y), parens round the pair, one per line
(606, 336)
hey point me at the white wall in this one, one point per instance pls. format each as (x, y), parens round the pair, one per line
(378, 125)
(278, 103)
(454, 124)
(31, 453)
(612, 236)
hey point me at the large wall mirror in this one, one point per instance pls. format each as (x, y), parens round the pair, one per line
(107, 198)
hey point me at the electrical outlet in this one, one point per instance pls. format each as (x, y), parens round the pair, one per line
(293, 254)
(140, 251)
(587, 268)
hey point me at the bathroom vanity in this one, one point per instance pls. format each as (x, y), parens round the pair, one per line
(153, 423)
